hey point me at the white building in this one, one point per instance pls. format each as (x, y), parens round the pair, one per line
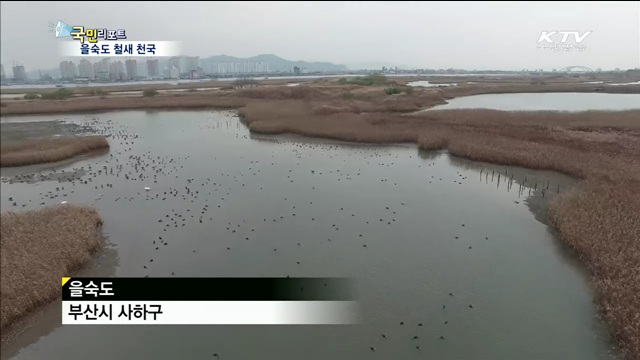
(238, 67)
(116, 71)
(132, 68)
(174, 73)
(19, 73)
(67, 70)
(85, 69)
(191, 63)
(101, 69)
(174, 61)
(153, 70)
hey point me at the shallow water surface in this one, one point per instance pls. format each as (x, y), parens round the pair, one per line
(457, 246)
(425, 83)
(544, 101)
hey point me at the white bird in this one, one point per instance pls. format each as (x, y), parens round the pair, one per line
(63, 202)
(147, 188)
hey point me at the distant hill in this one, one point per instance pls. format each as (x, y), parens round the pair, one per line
(35, 74)
(277, 63)
(377, 65)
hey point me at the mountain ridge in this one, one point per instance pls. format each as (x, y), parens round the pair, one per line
(277, 63)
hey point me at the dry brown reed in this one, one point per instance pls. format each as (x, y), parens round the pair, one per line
(600, 221)
(48, 150)
(39, 247)
(357, 98)
(187, 101)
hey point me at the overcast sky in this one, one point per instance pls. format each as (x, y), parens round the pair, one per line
(487, 35)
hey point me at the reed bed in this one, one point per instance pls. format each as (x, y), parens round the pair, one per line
(39, 247)
(360, 98)
(600, 222)
(38, 151)
(188, 100)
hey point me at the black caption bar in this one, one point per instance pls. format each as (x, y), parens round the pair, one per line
(207, 289)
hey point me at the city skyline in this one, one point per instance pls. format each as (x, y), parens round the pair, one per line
(175, 68)
(186, 64)
(151, 68)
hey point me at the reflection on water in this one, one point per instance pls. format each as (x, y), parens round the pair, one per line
(534, 187)
(545, 101)
(425, 83)
(452, 256)
(12, 96)
(627, 83)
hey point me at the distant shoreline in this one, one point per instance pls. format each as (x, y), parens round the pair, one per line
(169, 84)
(228, 98)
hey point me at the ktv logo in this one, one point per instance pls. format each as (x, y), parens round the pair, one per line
(559, 40)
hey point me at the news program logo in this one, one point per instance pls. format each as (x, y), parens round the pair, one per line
(62, 29)
(115, 42)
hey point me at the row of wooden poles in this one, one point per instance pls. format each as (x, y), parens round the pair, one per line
(522, 185)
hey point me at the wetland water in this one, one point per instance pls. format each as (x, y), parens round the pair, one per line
(438, 230)
(425, 83)
(545, 101)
